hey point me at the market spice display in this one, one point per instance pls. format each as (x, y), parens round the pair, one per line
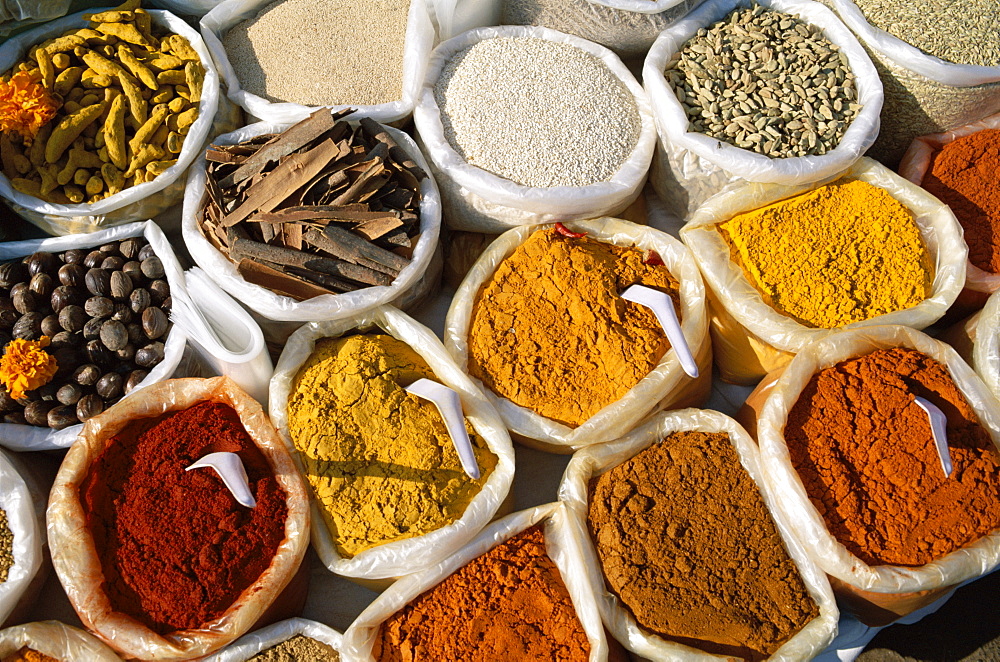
(379, 460)
(864, 451)
(550, 331)
(508, 604)
(842, 253)
(299, 648)
(674, 527)
(176, 548)
(963, 175)
(6, 546)
(26, 654)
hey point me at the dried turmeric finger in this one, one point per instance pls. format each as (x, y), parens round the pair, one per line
(94, 186)
(138, 69)
(93, 80)
(146, 155)
(46, 67)
(60, 61)
(157, 168)
(178, 105)
(183, 92)
(164, 94)
(164, 62)
(102, 65)
(172, 77)
(7, 160)
(146, 131)
(36, 153)
(126, 32)
(71, 106)
(113, 178)
(27, 186)
(160, 136)
(49, 182)
(81, 177)
(136, 103)
(180, 46)
(129, 5)
(78, 159)
(65, 43)
(67, 79)
(90, 99)
(186, 119)
(144, 23)
(114, 133)
(175, 142)
(69, 129)
(194, 74)
(74, 193)
(111, 16)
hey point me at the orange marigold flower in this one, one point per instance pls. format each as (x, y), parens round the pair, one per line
(25, 105)
(26, 365)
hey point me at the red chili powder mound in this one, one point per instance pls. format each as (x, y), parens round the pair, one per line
(175, 547)
(866, 456)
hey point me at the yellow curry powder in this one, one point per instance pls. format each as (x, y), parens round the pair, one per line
(380, 461)
(842, 253)
(550, 331)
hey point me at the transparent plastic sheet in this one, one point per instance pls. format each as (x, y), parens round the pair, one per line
(664, 387)
(985, 339)
(479, 201)
(145, 200)
(812, 639)
(59, 641)
(691, 167)
(258, 641)
(561, 546)
(187, 7)
(400, 557)
(277, 307)
(28, 527)
(751, 337)
(15, 14)
(420, 36)
(75, 558)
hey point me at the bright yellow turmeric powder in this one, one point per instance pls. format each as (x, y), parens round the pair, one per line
(842, 253)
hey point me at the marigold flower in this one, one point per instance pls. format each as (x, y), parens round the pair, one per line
(26, 365)
(25, 105)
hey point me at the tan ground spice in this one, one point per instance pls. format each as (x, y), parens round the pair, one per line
(550, 331)
(687, 544)
(6, 546)
(298, 649)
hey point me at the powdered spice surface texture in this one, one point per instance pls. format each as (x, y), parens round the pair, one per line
(688, 546)
(6, 546)
(839, 254)
(865, 454)
(298, 649)
(176, 548)
(550, 331)
(510, 604)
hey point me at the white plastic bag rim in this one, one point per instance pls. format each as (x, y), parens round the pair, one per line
(16, 501)
(265, 638)
(400, 557)
(747, 306)
(784, 483)
(808, 642)
(274, 306)
(57, 640)
(910, 57)
(673, 123)
(14, 49)
(32, 438)
(559, 200)
(986, 348)
(638, 6)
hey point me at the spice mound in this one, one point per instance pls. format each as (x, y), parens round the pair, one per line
(550, 330)
(767, 82)
(98, 109)
(964, 176)
(842, 253)
(6, 546)
(379, 460)
(537, 112)
(26, 654)
(674, 527)
(298, 649)
(176, 548)
(322, 52)
(508, 604)
(864, 451)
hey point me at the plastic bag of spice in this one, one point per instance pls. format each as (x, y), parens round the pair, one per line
(22, 537)
(15, 14)
(802, 640)
(665, 386)
(56, 640)
(403, 556)
(250, 645)
(145, 200)
(880, 593)
(690, 167)
(750, 337)
(74, 552)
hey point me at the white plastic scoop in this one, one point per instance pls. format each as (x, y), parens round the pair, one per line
(663, 307)
(450, 406)
(230, 468)
(939, 429)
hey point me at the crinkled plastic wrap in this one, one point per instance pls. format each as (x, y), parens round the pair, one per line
(419, 41)
(28, 527)
(401, 557)
(15, 14)
(59, 641)
(666, 386)
(562, 548)
(274, 306)
(750, 337)
(258, 641)
(478, 201)
(33, 438)
(691, 167)
(145, 200)
(986, 344)
(808, 642)
(187, 7)
(75, 557)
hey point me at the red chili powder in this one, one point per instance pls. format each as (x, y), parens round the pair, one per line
(175, 547)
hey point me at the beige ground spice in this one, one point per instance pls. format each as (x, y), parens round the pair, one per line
(298, 649)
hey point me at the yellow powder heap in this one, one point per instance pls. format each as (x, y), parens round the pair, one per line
(843, 253)
(379, 459)
(551, 333)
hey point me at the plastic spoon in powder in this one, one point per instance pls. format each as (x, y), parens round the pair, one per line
(663, 307)
(939, 429)
(230, 468)
(450, 406)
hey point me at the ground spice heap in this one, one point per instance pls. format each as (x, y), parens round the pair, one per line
(550, 330)
(298, 649)
(176, 548)
(322, 52)
(379, 460)
(508, 604)
(865, 454)
(674, 527)
(26, 654)
(842, 253)
(6, 546)
(964, 176)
